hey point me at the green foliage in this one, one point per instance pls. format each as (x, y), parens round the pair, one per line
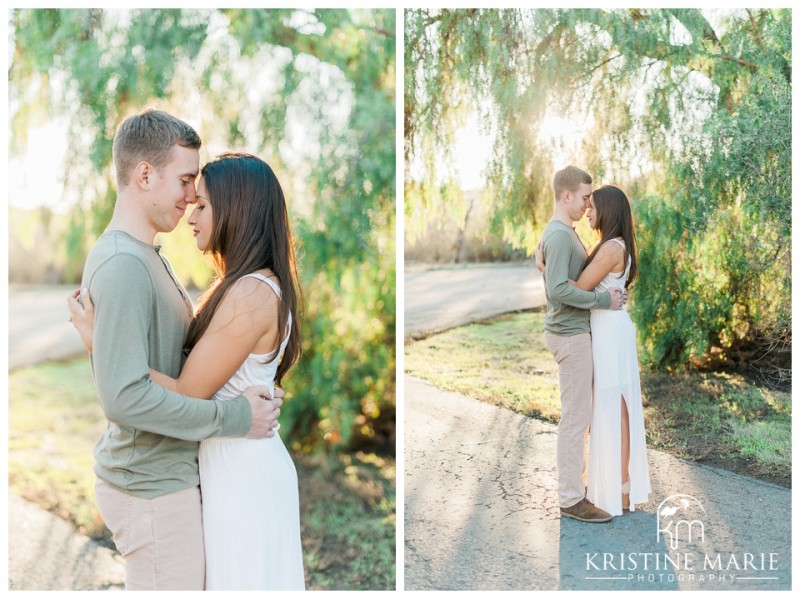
(249, 79)
(346, 381)
(689, 111)
(732, 265)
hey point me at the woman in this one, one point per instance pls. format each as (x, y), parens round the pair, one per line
(618, 475)
(244, 327)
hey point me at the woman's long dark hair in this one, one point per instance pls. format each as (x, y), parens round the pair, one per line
(250, 232)
(614, 219)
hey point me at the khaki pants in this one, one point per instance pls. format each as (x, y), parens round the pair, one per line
(574, 357)
(161, 539)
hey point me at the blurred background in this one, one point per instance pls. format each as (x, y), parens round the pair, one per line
(312, 92)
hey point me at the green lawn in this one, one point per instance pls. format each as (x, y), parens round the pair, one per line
(348, 503)
(720, 418)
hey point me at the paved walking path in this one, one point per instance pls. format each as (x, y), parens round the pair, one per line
(440, 299)
(44, 552)
(38, 326)
(481, 507)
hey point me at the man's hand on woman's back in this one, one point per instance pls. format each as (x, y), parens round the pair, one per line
(265, 411)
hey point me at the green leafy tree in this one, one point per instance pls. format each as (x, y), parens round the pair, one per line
(687, 110)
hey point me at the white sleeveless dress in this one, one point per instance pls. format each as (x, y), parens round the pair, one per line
(251, 510)
(616, 376)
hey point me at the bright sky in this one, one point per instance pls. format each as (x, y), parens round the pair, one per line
(35, 178)
(472, 154)
(474, 147)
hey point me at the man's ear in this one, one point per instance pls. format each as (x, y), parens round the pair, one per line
(142, 175)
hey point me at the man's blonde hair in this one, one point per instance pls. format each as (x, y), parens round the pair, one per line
(569, 178)
(150, 137)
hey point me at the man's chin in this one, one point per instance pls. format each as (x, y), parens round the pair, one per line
(168, 228)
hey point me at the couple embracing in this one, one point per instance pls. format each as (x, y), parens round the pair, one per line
(591, 336)
(192, 399)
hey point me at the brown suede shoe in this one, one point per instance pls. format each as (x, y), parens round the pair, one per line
(626, 502)
(585, 511)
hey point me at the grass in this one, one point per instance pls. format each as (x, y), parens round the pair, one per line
(503, 361)
(348, 503)
(720, 418)
(54, 421)
(348, 508)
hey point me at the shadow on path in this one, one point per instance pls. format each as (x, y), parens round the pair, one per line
(481, 512)
(618, 555)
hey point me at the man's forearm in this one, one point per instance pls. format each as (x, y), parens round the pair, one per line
(559, 289)
(143, 405)
(578, 298)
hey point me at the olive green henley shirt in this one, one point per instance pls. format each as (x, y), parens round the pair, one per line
(142, 314)
(567, 306)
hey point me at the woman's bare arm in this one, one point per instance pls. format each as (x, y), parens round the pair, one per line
(248, 312)
(610, 258)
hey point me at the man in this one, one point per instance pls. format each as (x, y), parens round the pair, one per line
(568, 338)
(146, 462)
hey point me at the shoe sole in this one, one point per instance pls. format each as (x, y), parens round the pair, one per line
(594, 521)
